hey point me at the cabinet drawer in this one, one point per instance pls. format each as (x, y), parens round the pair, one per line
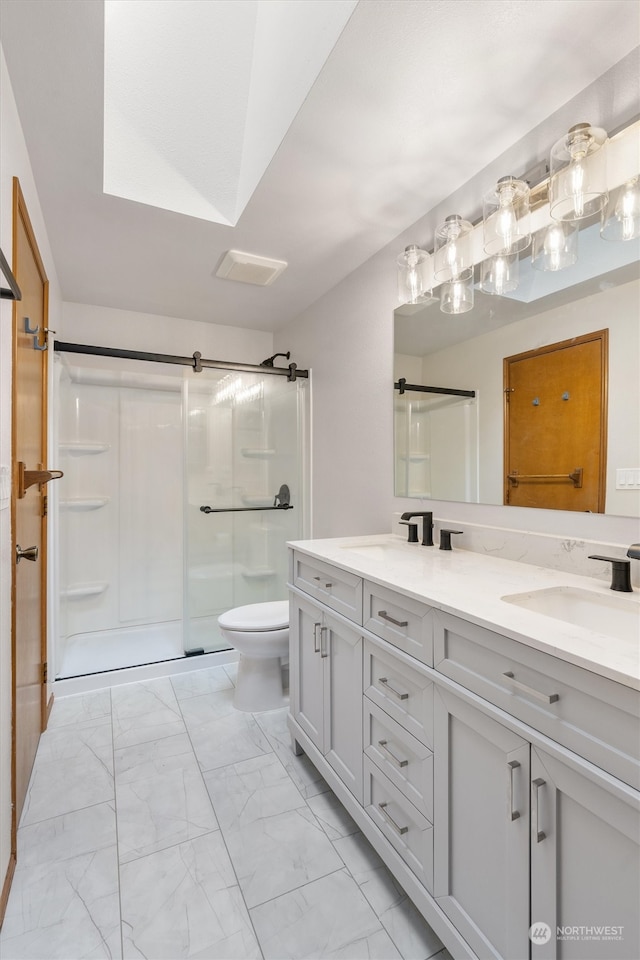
(338, 589)
(404, 827)
(400, 690)
(402, 621)
(593, 716)
(404, 760)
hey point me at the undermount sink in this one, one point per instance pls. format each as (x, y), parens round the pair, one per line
(376, 549)
(614, 616)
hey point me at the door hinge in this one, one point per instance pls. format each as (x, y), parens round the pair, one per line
(45, 505)
(44, 672)
(507, 393)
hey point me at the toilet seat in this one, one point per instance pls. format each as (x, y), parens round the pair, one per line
(257, 617)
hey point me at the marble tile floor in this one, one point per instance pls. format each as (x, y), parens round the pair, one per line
(160, 822)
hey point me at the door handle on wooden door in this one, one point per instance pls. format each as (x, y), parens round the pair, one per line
(29, 553)
(27, 478)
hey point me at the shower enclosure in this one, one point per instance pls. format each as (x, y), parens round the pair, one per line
(179, 493)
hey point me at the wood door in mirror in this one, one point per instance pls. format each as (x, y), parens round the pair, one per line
(555, 446)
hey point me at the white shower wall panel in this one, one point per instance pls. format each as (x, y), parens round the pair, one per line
(150, 497)
(88, 534)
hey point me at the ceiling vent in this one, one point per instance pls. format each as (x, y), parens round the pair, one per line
(249, 268)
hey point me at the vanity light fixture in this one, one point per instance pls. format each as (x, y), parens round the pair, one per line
(555, 247)
(414, 275)
(506, 219)
(453, 252)
(578, 166)
(456, 296)
(500, 274)
(621, 215)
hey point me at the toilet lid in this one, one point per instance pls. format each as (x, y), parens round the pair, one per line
(273, 615)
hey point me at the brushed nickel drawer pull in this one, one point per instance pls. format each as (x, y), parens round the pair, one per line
(385, 748)
(382, 807)
(392, 689)
(327, 585)
(323, 649)
(397, 623)
(512, 765)
(538, 834)
(316, 645)
(544, 697)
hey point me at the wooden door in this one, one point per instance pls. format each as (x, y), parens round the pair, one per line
(585, 863)
(556, 425)
(481, 828)
(29, 454)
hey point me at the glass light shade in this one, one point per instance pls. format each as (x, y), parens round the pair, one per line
(621, 215)
(456, 296)
(500, 275)
(453, 250)
(506, 217)
(414, 275)
(578, 180)
(555, 247)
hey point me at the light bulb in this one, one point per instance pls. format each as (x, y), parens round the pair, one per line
(628, 209)
(506, 222)
(413, 284)
(553, 246)
(578, 167)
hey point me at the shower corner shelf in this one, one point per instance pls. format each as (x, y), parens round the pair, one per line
(257, 453)
(77, 447)
(80, 591)
(84, 503)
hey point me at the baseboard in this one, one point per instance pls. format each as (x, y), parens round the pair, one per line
(4, 897)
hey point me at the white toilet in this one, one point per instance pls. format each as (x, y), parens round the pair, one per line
(260, 633)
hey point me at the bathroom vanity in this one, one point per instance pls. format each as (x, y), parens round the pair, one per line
(489, 750)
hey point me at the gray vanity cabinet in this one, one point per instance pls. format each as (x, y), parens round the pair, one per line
(481, 835)
(326, 687)
(585, 862)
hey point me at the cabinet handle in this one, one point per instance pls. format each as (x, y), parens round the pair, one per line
(323, 648)
(511, 766)
(397, 623)
(544, 697)
(382, 807)
(400, 763)
(316, 645)
(392, 689)
(539, 834)
(327, 585)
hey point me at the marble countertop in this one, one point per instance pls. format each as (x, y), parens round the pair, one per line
(472, 585)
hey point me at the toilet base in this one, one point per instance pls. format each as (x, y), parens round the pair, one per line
(259, 685)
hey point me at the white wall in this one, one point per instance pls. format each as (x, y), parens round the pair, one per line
(14, 162)
(346, 337)
(106, 327)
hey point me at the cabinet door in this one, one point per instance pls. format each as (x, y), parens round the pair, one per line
(481, 828)
(342, 656)
(306, 668)
(585, 864)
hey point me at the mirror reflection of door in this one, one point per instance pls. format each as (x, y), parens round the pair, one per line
(555, 425)
(29, 448)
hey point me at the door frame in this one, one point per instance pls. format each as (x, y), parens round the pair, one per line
(603, 337)
(20, 213)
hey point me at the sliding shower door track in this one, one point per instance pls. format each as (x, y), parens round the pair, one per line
(196, 362)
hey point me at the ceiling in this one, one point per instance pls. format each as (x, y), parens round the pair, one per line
(414, 99)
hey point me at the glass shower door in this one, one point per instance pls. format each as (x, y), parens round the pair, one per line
(243, 490)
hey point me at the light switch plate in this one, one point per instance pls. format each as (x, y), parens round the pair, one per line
(628, 478)
(5, 487)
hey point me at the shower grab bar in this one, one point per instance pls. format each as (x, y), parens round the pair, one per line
(207, 509)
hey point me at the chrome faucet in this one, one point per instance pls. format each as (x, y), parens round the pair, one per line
(427, 527)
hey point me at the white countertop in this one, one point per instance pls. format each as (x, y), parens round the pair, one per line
(471, 585)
